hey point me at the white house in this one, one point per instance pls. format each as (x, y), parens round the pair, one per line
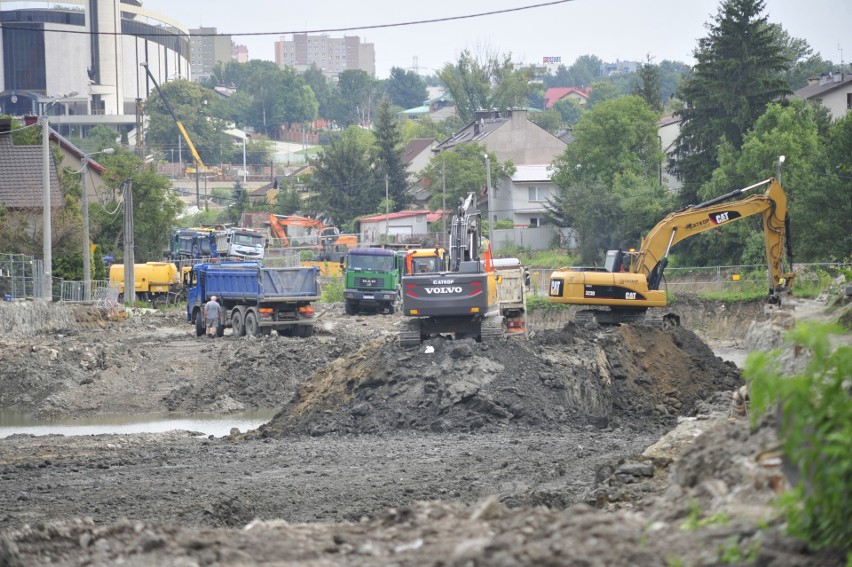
(522, 199)
(399, 225)
(834, 91)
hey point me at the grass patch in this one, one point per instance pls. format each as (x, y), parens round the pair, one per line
(540, 258)
(739, 295)
(542, 303)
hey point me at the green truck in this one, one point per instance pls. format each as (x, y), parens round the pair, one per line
(371, 279)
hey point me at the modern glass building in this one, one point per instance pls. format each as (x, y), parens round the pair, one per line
(79, 60)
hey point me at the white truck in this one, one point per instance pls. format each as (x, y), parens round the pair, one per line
(245, 243)
(513, 281)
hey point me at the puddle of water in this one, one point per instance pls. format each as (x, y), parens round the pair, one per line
(12, 422)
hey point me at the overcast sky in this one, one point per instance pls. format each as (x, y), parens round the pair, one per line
(610, 29)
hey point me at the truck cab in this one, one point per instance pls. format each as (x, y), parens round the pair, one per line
(371, 278)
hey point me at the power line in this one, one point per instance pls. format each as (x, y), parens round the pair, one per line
(323, 30)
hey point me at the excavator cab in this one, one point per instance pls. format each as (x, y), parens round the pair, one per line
(614, 261)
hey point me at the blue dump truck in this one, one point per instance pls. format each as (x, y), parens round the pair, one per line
(255, 300)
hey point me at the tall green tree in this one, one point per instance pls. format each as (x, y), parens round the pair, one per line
(315, 79)
(569, 111)
(486, 82)
(736, 75)
(190, 103)
(602, 91)
(389, 155)
(608, 178)
(345, 182)
(462, 170)
(155, 208)
(406, 89)
(819, 214)
(550, 120)
(354, 98)
(649, 84)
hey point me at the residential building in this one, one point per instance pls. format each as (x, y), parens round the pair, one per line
(510, 135)
(90, 50)
(555, 94)
(437, 109)
(207, 48)
(833, 90)
(525, 196)
(620, 68)
(331, 54)
(401, 225)
(668, 129)
(22, 174)
(416, 155)
(239, 53)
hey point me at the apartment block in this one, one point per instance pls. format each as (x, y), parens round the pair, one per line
(331, 54)
(207, 48)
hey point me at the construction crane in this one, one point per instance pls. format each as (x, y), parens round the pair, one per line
(199, 165)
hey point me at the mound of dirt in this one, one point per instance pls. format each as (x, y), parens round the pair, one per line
(627, 376)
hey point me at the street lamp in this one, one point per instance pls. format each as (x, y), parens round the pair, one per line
(47, 250)
(87, 254)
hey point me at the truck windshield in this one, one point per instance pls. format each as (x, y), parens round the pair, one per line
(248, 239)
(371, 263)
(429, 264)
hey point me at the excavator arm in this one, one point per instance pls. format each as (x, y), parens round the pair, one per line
(199, 165)
(772, 206)
(628, 291)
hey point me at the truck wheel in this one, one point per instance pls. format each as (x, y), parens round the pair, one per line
(252, 328)
(304, 331)
(266, 331)
(199, 324)
(351, 307)
(391, 309)
(220, 330)
(237, 323)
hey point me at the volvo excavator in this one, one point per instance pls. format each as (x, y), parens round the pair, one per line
(454, 294)
(629, 283)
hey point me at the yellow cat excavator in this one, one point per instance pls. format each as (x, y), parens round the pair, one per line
(629, 282)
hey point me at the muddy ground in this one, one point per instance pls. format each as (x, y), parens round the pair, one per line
(579, 446)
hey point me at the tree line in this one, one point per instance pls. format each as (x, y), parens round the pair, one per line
(736, 119)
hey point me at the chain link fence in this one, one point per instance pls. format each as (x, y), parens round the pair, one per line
(719, 279)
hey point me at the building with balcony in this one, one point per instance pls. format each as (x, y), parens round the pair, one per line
(331, 54)
(206, 48)
(78, 61)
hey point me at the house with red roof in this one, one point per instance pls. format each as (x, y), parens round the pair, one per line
(403, 225)
(555, 94)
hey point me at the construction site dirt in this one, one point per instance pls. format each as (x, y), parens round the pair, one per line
(578, 446)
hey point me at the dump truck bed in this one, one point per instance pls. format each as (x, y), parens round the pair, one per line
(249, 283)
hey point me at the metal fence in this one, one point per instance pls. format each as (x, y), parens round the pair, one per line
(101, 291)
(20, 276)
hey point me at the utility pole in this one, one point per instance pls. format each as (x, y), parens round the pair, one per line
(444, 197)
(245, 173)
(129, 256)
(47, 250)
(490, 196)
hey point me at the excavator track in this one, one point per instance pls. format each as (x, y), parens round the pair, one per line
(492, 329)
(409, 333)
